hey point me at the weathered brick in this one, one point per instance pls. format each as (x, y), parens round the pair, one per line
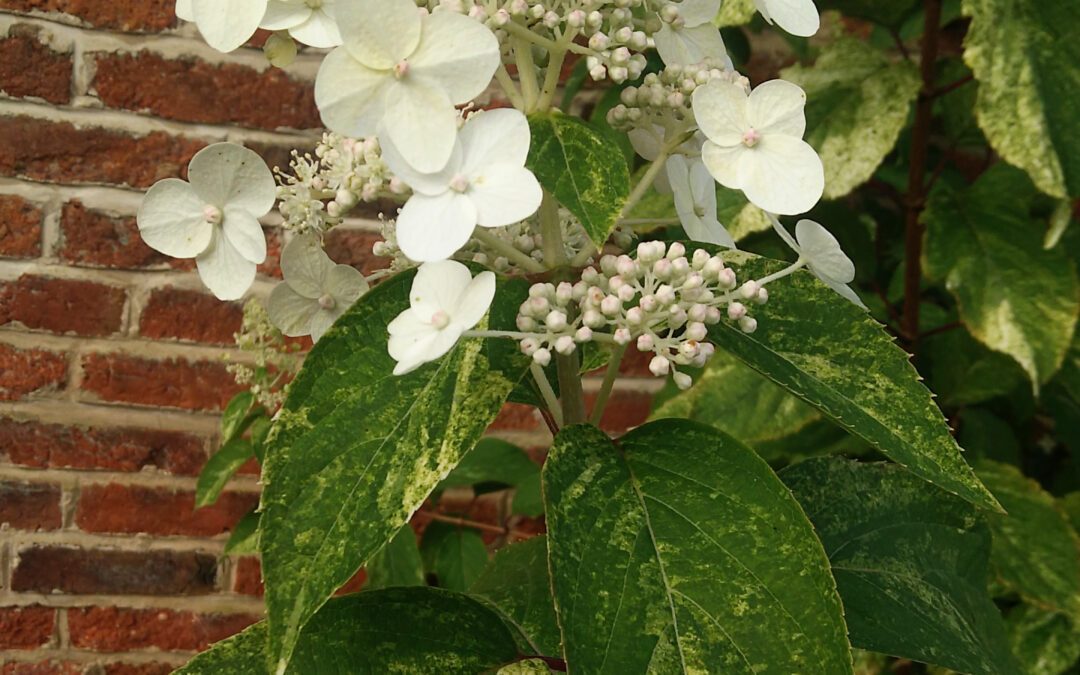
(26, 627)
(131, 508)
(30, 506)
(63, 305)
(114, 629)
(47, 446)
(516, 416)
(354, 584)
(31, 371)
(353, 247)
(42, 668)
(189, 315)
(96, 239)
(63, 569)
(138, 669)
(20, 228)
(177, 383)
(59, 152)
(196, 91)
(625, 409)
(124, 15)
(249, 579)
(29, 68)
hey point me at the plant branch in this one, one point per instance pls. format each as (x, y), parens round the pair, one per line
(941, 91)
(645, 183)
(509, 88)
(610, 375)
(491, 240)
(547, 393)
(483, 527)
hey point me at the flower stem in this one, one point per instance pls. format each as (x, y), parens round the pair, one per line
(547, 392)
(492, 241)
(645, 183)
(610, 375)
(483, 527)
(554, 70)
(530, 89)
(509, 88)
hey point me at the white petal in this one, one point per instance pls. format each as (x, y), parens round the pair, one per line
(431, 184)
(687, 46)
(378, 33)
(350, 96)
(456, 54)
(184, 10)
(499, 136)
(438, 287)
(224, 271)
(227, 25)
(697, 12)
(171, 219)
(823, 253)
(475, 301)
(702, 185)
(245, 234)
(320, 30)
(434, 228)
(720, 111)
(227, 174)
(290, 311)
(345, 285)
(285, 14)
(777, 107)
(410, 342)
(504, 194)
(305, 266)
(781, 174)
(647, 143)
(845, 291)
(321, 322)
(678, 174)
(723, 163)
(421, 123)
(798, 17)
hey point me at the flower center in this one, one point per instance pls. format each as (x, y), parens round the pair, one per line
(326, 301)
(459, 183)
(401, 69)
(440, 320)
(212, 214)
(751, 138)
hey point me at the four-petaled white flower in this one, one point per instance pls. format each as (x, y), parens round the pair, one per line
(822, 254)
(214, 218)
(755, 144)
(399, 76)
(695, 201)
(798, 17)
(224, 24)
(309, 21)
(445, 301)
(691, 37)
(315, 291)
(484, 183)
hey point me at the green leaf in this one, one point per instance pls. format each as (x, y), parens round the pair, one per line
(455, 554)
(678, 550)
(495, 464)
(245, 536)
(1046, 643)
(858, 102)
(910, 561)
(735, 13)
(1035, 552)
(1027, 60)
(963, 371)
(526, 667)
(232, 419)
(219, 469)
(517, 585)
(584, 170)
(985, 436)
(1014, 296)
(828, 352)
(890, 14)
(356, 450)
(393, 630)
(397, 563)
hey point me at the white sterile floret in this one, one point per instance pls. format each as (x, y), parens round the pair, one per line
(823, 255)
(224, 25)
(798, 17)
(484, 183)
(315, 291)
(445, 301)
(399, 76)
(691, 37)
(309, 21)
(695, 201)
(755, 144)
(214, 218)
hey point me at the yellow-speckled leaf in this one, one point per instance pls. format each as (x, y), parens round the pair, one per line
(1046, 643)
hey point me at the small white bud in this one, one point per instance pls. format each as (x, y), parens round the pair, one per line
(621, 336)
(762, 297)
(736, 311)
(529, 346)
(690, 349)
(626, 267)
(701, 256)
(611, 305)
(627, 293)
(659, 366)
(526, 324)
(583, 334)
(634, 316)
(748, 324)
(749, 290)
(555, 321)
(565, 345)
(676, 250)
(645, 343)
(726, 279)
(649, 304)
(713, 316)
(696, 331)
(697, 312)
(665, 294)
(662, 269)
(682, 380)
(564, 293)
(593, 319)
(542, 357)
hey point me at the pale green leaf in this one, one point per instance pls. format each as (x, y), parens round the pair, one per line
(245, 536)
(677, 550)
(858, 102)
(397, 563)
(910, 561)
(495, 464)
(232, 418)
(1046, 643)
(220, 468)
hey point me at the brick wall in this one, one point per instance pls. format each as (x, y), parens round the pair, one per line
(111, 371)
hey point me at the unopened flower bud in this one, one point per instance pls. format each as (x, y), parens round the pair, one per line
(529, 346)
(280, 49)
(762, 297)
(542, 357)
(659, 366)
(701, 256)
(593, 319)
(621, 336)
(649, 304)
(690, 349)
(682, 380)
(748, 324)
(665, 294)
(697, 331)
(645, 343)
(634, 316)
(736, 311)
(611, 305)
(676, 250)
(726, 279)
(564, 293)
(583, 334)
(713, 316)
(626, 267)
(608, 265)
(749, 290)
(626, 293)
(662, 269)
(526, 324)
(565, 345)
(555, 321)
(697, 312)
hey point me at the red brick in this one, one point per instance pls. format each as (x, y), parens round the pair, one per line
(177, 383)
(625, 409)
(25, 627)
(138, 669)
(62, 569)
(47, 446)
(132, 509)
(196, 91)
(114, 629)
(516, 416)
(33, 371)
(353, 247)
(59, 152)
(95, 239)
(42, 668)
(271, 267)
(249, 579)
(63, 305)
(190, 315)
(123, 15)
(30, 506)
(354, 584)
(29, 68)
(20, 228)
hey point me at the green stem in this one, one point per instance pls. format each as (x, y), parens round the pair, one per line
(630, 222)
(554, 70)
(530, 90)
(645, 183)
(493, 241)
(509, 88)
(551, 232)
(610, 375)
(547, 392)
(519, 31)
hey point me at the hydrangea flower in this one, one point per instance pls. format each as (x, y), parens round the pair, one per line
(316, 291)
(695, 201)
(224, 24)
(822, 254)
(798, 17)
(214, 218)
(399, 76)
(445, 301)
(484, 183)
(688, 35)
(309, 21)
(755, 144)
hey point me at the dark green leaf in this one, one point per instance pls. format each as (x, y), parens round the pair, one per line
(910, 561)
(584, 170)
(397, 563)
(455, 554)
(497, 464)
(356, 450)
(233, 417)
(986, 436)
(260, 428)
(219, 469)
(962, 371)
(678, 550)
(890, 14)
(245, 536)
(1046, 643)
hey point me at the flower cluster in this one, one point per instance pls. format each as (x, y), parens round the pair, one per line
(276, 361)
